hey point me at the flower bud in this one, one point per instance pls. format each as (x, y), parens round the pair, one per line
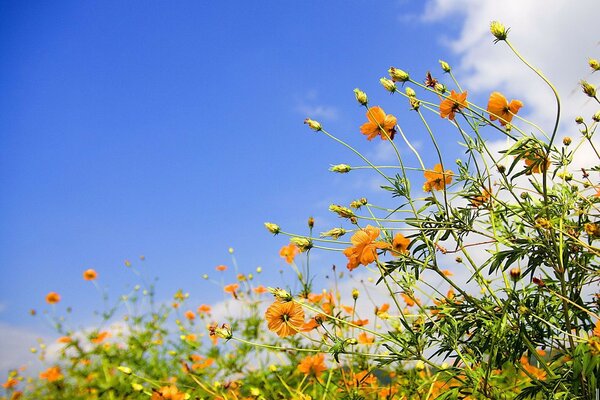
(311, 222)
(258, 270)
(273, 228)
(420, 365)
(361, 97)
(515, 273)
(445, 66)
(280, 294)
(588, 88)
(224, 332)
(594, 64)
(398, 75)
(125, 370)
(137, 387)
(355, 294)
(440, 88)
(579, 119)
(334, 233)
(340, 168)
(314, 125)
(304, 244)
(388, 84)
(596, 116)
(567, 140)
(342, 211)
(498, 30)
(410, 92)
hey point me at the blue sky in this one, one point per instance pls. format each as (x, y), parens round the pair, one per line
(174, 130)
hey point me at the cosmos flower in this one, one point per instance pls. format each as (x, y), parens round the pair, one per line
(379, 124)
(285, 319)
(450, 105)
(499, 108)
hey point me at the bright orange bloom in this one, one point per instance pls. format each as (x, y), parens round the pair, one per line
(536, 372)
(437, 179)
(454, 102)
(312, 365)
(363, 338)
(289, 252)
(100, 337)
(361, 322)
(364, 378)
(10, 383)
(447, 272)
(64, 339)
(260, 289)
(52, 298)
(309, 325)
(204, 308)
(90, 274)
(481, 199)
(285, 319)
(348, 309)
(189, 314)
(596, 330)
(536, 162)
(200, 362)
(231, 288)
(388, 392)
(500, 108)
(52, 374)
(365, 248)
(400, 244)
(384, 307)
(221, 267)
(168, 393)
(379, 124)
(409, 300)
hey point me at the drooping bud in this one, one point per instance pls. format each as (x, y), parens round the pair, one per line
(361, 97)
(579, 120)
(280, 294)
(273, 228)
(340, 168)
(445, 66)
(498, 30)
(342, 211)
(588, 88)
(594, 64)
(388, 84)
(334, 233)
(596, 116)
(314, 125)
(398, 75)
(304, 244)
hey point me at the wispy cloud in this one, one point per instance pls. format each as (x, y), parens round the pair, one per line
(310, 106)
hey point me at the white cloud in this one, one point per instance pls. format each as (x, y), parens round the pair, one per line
(309, 106)
(557, 36)
(15, 345)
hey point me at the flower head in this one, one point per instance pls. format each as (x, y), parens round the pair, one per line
(379, 124)
(285, 318)
(500, 108)
(364, 249)
(90, 274)
(168, 393)
(289, 252)
(52, 374)
(52, 298)
(450, 105)
(437, 179)
(498, 30)
(312, 365)
(231, 288)
(400, 244)
(536, 161)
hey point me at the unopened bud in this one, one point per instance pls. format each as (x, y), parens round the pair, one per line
(440, 88)
(515, 273)
(314, 125)
(498, 30)
(596, 116)
(137, 387)
(398, 75)
(410, 92)
(388, 84)
(311, 222)
(420, 366)
(224, 332)
(304, 244)
(355, 294)
(273, 228)
(588, 88)
(579, 119)
(280, 294)
(445, 66)
(341, 211)
(361, 97)
(334, 233)
(567, 140)
(125, 370)
(340, 168)
(594, 64)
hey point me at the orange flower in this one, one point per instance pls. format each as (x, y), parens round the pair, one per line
(447, 272)
(536, 162)
(51, 374)
(596, 330)
(388, 392)
(481, 199)
(189, 314)
(450, 105)
(361, 322)
(52, 298)
(379, 124)
(90, 274)
(409, 300)
(285, 319)
(231, 288)
(309, 325)
(365, 248)
(260, 289)
(10, 383)
(289, 252)
(200, 362)
(363, 338)
(100, 337)
(64, 339)
(204, 308)
(400, 244)
(437, 179)
(380, 310)
(312, 365)
(168, 393)
(500, 108)
(364, 378)
(221, 267)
